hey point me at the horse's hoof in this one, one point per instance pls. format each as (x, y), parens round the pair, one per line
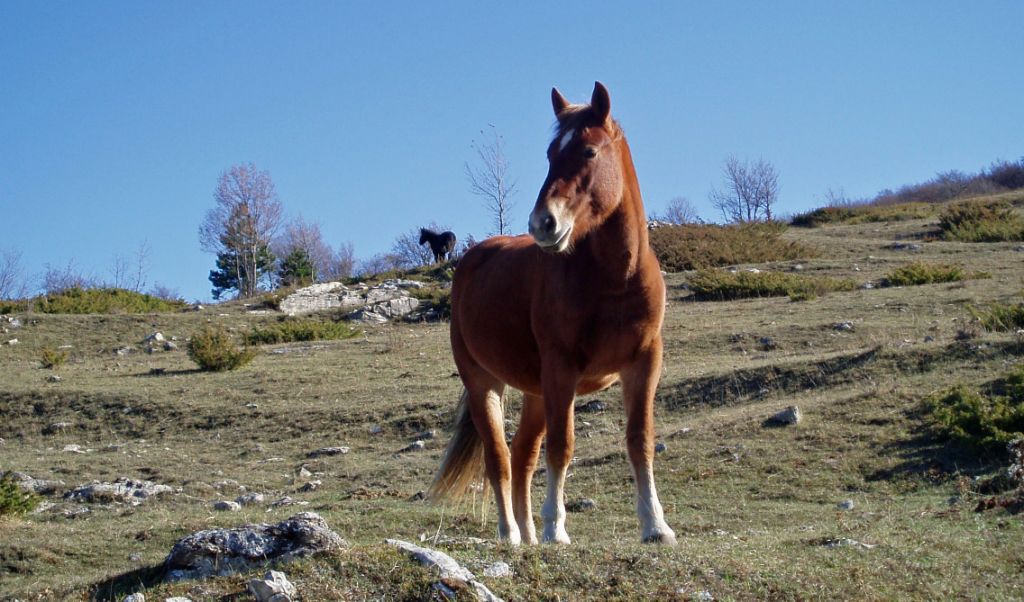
(557, 538)
(665, 539)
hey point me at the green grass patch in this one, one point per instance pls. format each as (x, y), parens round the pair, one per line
(986, 420)
(52, 358)
(438, 299)
(702, 246)
(1000, 316)
(104, 301)
(214, 351)
(981, 220)
(860, 214)
(13, 499)
(919, 272)
(288, 330)
(720, 285)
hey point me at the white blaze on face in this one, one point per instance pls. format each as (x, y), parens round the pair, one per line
(566, 139)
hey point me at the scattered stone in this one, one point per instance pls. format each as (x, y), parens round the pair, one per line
(124, 350)
(76, 511)
(12, 341)
(843, 326)
(225, 551)
(425, 435)
(12, 322)
(867, 286)
(584, 505)
(839, 542)
(274, 587)
(56, 427)
(28, 483)
(178, 599)
(654, 224)
(311, 486)
(304, 473)
(929, 339)
(769, 344)
(904, 246)
(286, 501)
(418, 496)
(415, 446)
(328, 451)
(451, 573)
(136, 597)
(789, 416)
(123, 490)
(170, 346)
(660, 447)
(53, 378)
(252, 406)
(845, 505)
(74, 448)
(227, 506)
(156, 337)
(250, 499)
(376, 429)
(591, 406)
(498, 570)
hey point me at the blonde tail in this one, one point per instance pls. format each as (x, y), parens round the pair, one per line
(463, 462)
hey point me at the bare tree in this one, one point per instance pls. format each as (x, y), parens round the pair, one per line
(381, 262)
(12, 286)
(299, 234)
(679, 211)
(343, 265)
(241, 225)
(490, 180)
(751, 191)
(58, 280)
(131, 274)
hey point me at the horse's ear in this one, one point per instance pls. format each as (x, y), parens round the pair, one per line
(600, 102)
(558, 102)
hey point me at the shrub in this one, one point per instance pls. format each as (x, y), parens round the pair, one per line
(981, 221)
(859, 214)
(213, 350)
(438, 299)
(1000, 316)
(701, 246)
(987, 421)
(287, 330)
(104, 301)
(919, 272)
(52, 358)
(13, 499)
(721, 285)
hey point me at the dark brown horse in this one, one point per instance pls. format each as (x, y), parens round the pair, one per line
(570, 309)
(440, 244)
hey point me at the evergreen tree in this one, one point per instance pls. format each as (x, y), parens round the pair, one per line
(296, 268)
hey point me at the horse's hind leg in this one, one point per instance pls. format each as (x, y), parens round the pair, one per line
(487, 412)
(525, 449)
(638, 384)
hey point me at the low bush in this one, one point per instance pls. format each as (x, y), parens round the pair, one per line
(981, 221)
(213, 350)
(720, 285)
(13, 499)
(918, 272)
(288, 330)
(104, 301)
(866, 213)
(1000, 316)
(986, 420)
(51, 358)
(701, 246)
(437, 299)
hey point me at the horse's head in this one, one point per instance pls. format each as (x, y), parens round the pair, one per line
(585, 180)
(423, 235)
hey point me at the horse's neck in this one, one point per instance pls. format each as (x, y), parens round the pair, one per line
(619, 243)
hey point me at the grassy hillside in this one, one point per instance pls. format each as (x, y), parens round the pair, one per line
(755, 507)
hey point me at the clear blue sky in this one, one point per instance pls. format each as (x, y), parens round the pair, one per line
(116, 118)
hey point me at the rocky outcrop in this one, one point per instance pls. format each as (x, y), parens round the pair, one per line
(375, 304)
(123, 491)
(225, 551)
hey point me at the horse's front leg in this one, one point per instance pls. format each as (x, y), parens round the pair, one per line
(639, 382)
(559, 393)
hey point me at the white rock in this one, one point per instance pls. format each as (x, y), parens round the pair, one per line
(788, 416)
(274, 587)
(136, 597)
(227, 506)
(498, 569)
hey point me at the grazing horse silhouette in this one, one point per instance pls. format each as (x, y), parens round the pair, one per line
(570, 309)
(440, 244)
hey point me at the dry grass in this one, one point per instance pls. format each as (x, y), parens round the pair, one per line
(753, 506)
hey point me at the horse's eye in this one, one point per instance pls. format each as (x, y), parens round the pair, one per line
(589, 152)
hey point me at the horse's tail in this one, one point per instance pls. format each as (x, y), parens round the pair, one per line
(463, 462)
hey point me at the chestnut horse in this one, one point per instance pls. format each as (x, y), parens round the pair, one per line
(570, 309)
